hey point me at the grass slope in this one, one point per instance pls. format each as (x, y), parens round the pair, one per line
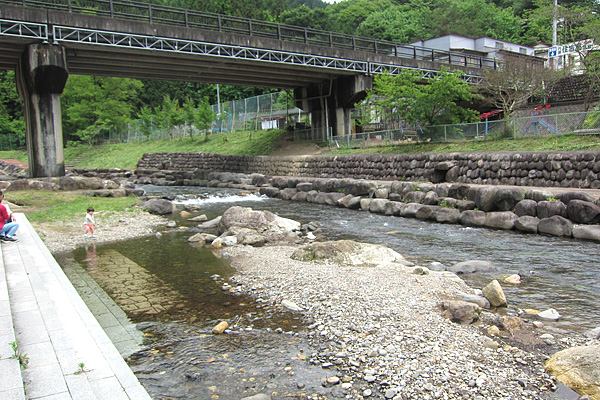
(126, 155)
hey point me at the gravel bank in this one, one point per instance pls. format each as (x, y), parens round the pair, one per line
(380, 330)
(110, 227)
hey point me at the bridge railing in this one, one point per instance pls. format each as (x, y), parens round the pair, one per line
(158, 14)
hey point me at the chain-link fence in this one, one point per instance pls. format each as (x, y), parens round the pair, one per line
(267, 111)
(537, 124)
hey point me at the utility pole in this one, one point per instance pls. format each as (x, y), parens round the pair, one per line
(555, 60)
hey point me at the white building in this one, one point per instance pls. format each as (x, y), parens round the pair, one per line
(480, 52)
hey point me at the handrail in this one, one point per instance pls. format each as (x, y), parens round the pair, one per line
(173, 16)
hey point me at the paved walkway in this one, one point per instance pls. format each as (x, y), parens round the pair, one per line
(69, 354)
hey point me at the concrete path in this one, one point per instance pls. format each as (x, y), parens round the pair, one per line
(68, 354)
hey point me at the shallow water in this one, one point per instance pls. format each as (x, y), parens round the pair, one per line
(177, 290)
(558, 273)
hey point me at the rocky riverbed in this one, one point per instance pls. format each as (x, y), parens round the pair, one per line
(376, 330)
(380, 332)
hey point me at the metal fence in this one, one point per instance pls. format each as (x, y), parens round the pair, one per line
(267, 111)
(538, 123)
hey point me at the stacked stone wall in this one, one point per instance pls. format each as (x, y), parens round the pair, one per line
(544, 169)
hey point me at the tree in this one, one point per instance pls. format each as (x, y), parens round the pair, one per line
(12, 123)
(516, 80)
(347, 15)
(92, 105)
(316, 18)
(147, 121)
(474, 18)
(403, 24)
(204, 115)
(405, 97)
(170, 116)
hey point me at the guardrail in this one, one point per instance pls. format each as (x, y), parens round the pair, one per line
(159, 14)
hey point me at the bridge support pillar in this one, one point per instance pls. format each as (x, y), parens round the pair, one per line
(41, 77)
(330, 104)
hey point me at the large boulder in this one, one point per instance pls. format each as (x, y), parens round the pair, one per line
(578, 368)
(587, 232)
(411, 209)
(287, 193)
(377, 206)
(414, 197)
(394, 208)
(426, 213)
(567, 197)
(447, 215)
(472, 218)
(360, 187)
(461, 312)
(583, 212)
(495, 295)
(349, 201)
(500, 220)
(527, 223)
(505, 199)
(526, 207)
(158, 206)
(484, 197)
(264, 222)
(546, 209)
(556, 226)
(472, 266)
(347, 252)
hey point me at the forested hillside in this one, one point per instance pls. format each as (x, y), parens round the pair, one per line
(92, 104)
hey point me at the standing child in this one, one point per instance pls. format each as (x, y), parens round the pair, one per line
(89, 222)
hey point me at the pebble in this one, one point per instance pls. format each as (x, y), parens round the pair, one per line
(382, 326)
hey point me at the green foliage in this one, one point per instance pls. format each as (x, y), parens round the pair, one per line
(474, 18)
(304, 16)
(404, 97)
(12, 123)
(92, 105)
(402, 24)
(204, 116)
(19, 355)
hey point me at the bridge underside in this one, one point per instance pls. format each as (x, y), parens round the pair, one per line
(327, 82)
(144, 64)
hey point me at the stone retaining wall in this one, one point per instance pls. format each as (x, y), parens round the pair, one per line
(544, 169)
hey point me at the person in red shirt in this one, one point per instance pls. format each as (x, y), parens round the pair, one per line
(7, 229)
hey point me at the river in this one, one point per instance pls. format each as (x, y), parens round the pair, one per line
(182, 360)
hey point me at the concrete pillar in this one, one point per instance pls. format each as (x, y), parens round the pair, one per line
(330, 103)
(343, 121)
(41, 77)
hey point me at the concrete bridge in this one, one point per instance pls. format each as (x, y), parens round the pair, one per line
(329, 72)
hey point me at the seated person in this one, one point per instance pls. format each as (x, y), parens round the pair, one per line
(8, 226)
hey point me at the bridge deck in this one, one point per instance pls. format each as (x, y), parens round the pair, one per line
(41, 310)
